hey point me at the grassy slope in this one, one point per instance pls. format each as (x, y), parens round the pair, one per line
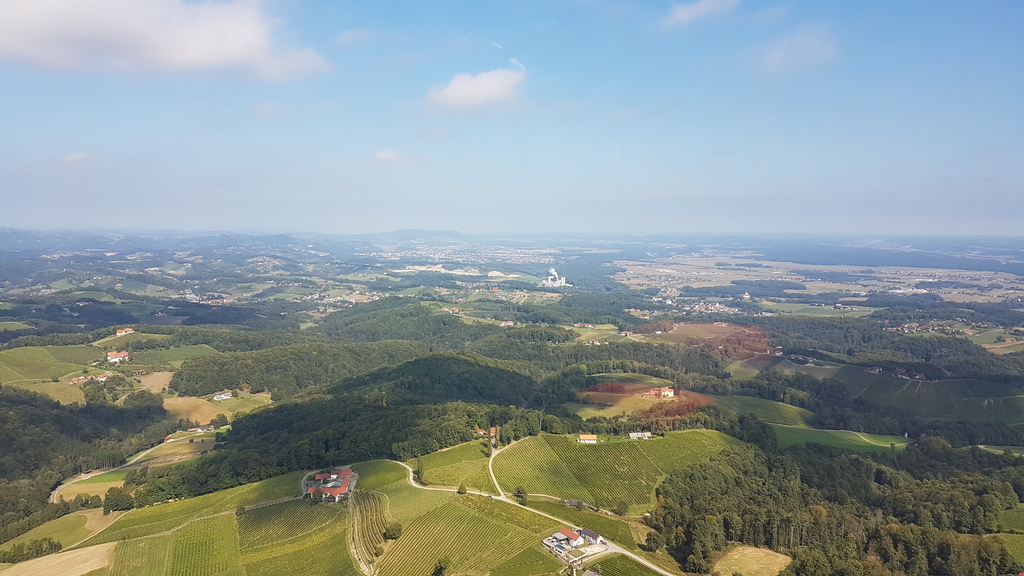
(767, 410)
(751, 561)
(605, 473)
(33, 363)
(856, 441)
(465, 463)
(172, 356)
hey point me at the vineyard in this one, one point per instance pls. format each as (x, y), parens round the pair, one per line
(619, 565)
(161, 518)
(207, 547)
(530, 562)
(369, 523)
(471, 539)
(142, 556)
(603, 474)
(283, 521)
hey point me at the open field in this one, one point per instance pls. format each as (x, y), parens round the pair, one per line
(751, 561)
(171, 356)
(75, 354)
(631, 378)
(242, 403)
(1006, 347)
(62, 392)
(619, 565)
(378, 473)
(1013, 519)
(856, 441)
(5, 326)
(609, 405)
(605, 473)
(708, 331)
(194, 409)
(1014, 545)
(67, 530)
(465, 463)
(120, 342)
(156, 382)
(71, 563)
(168, 516)
(612, 527)
(796, 309)
(32, 363)
(767, 410)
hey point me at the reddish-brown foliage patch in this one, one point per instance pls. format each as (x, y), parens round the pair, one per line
(619, 388)
(683, 404)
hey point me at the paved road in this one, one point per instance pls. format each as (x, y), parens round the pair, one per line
(612, 547)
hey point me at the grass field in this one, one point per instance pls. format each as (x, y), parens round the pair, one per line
(120, 342)
(856, 441)
(1014, 544)
(751, 561)
(767, 410)
(796, 309)
(60, 391)
(243, 403)
(619, 565)
(5, 326)
(605, 473)
(32, 363)
(156, 382)
(378, 473)
(465, 463)
(83, 355)
(631, 378)
(612, 527)
(195, 409)
(172, 356)
(168, 516)
(70, 563)
(1013, 519)
(67, 530)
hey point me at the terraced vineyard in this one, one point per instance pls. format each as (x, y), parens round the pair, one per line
(619, 565)
(605, 473)
(142, 556)
(767, 410)
(369, 522)
(530, 562)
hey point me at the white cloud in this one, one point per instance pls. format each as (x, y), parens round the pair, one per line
(686, 13)
(353, 37)
(76, 158)
(518, 64)
(804, 50)
(161, 35)
(469, 90)
(388, 155)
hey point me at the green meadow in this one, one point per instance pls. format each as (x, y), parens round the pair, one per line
(767, 410)
(856, 441)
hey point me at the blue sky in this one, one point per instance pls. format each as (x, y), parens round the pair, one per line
(590, 115)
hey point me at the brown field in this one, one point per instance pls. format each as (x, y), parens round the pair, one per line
(157, 381)
(73, 563)
(751, 561)
(195, 409)
(95, 520)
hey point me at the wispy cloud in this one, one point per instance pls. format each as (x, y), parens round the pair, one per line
(353, 37)
(76, 158)
(518, 64)
(686, 13)
(151, 35)
(389, 155)
(470, 91)
(807, 49)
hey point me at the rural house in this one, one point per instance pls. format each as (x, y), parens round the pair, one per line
(587, 439)
(640, 436)
(117, 357)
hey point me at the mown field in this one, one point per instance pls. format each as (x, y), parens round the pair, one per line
(5, 326)
(767, 410)
(605, 473)
(67, 530)
(194, 409)
(856, 441)
(751, 561)
(462, 464)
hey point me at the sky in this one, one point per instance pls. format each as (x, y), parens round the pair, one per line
(522, 116)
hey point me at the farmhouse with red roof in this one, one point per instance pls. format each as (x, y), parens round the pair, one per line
(335, 485)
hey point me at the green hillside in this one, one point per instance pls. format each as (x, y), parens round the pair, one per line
(462, 464)
(767, 410)
(605, 473)
(856, 441)
(32, 363)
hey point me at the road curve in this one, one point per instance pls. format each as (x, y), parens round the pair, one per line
(612, 547)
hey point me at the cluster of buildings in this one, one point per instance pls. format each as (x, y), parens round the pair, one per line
(574, 545)
(223, 396)
(664, 392)
(333, 486)
(97, 377)
(117, 357)
(554, 280)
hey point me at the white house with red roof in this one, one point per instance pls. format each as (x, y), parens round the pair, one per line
(334, 485)
(117, 357)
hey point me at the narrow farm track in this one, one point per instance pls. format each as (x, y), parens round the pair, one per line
(613, 548)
